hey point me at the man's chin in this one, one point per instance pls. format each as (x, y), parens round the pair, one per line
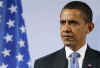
(72, 46)
(68, 44)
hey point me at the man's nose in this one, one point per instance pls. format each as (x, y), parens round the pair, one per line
(67, 28)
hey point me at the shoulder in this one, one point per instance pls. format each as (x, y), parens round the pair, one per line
(49, 58)
(97, 53)
(96, 56)
(94, 53)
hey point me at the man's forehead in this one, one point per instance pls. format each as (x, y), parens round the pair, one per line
(70, 13)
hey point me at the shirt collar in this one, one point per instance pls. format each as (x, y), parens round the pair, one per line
(81, 51)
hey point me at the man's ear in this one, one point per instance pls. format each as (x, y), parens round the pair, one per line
(90, 26)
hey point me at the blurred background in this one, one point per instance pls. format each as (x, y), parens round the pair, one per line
(42, 24)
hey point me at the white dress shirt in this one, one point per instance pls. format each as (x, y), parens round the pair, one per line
(81, 51)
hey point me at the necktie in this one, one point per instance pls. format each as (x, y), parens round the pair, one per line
(74, 60)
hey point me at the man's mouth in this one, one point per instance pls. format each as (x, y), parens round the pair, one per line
(67, 37)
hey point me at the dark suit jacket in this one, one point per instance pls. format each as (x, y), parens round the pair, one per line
(58, 60)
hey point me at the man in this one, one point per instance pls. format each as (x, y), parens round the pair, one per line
(75, 24)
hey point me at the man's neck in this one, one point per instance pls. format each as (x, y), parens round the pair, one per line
(77, 46)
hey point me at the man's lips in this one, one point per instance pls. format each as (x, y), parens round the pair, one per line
(67, 37)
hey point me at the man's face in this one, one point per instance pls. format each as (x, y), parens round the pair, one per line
(73, 28)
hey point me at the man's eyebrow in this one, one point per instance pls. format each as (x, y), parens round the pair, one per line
(62, 20)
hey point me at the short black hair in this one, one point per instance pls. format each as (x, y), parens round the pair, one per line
(83, 7)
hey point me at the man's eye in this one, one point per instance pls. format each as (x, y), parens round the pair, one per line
(73, 22)
(62, 22)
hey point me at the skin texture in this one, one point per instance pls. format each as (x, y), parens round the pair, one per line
(74, 28)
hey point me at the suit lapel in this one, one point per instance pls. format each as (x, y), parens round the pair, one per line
(60, 60)
(89, 61)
